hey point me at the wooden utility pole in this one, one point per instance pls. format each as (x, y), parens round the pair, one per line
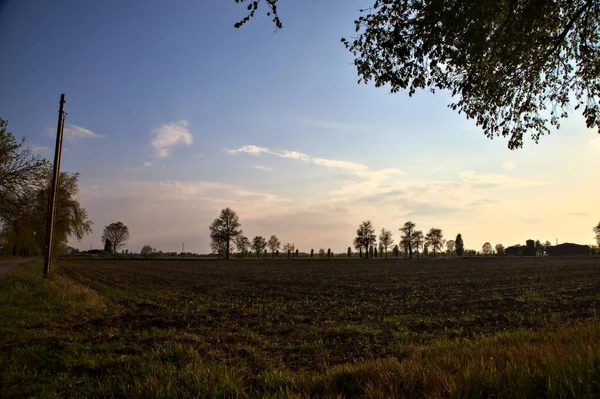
(54, 187)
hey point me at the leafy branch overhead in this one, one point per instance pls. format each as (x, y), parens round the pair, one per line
(516, 67)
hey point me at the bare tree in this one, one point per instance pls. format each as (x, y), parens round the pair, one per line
(365, 236)
(224, 229)
(274, 244)
(597, 233)
(435, 239)
(259, 244)
(118, 234)
(386, 239)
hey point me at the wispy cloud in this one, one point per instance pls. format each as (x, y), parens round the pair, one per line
(74, 132)
(147, 164)
(299, 156)
(486, 181)
(262, 168)
(334, 125)
(170, 135)
(40, 148)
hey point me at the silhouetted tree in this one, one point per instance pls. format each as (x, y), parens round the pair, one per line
(547, 245)
(460, 245)
(242, 243)
(274, 244)
(225, 229)
(396, 251)
(322, 253)
(108, 246)
(487, 249)
(146, 251)
(288, 249)
(329, 252)
(349, 252)
(597, 233)
(500, 249)
(312, 252)
(370, 252)
(259, 244)
(408, 237)
(118, 234)
(435, 238)
(450, 244)
(386, 239)
(296, 253)
(365, 236)
(375, 252)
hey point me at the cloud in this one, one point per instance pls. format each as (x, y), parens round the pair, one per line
(509, 165)
(170, 135)
(147, 164)
(74, 132)
(40, 148)
(487, 181)
(262, 168)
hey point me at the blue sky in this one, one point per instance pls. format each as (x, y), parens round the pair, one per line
(174, 114)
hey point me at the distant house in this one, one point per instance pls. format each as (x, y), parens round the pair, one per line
(520, 250)
(515, 250)
(569, 249)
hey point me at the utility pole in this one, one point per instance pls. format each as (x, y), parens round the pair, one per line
(54, 187)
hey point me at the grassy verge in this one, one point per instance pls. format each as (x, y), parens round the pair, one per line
(50, 345)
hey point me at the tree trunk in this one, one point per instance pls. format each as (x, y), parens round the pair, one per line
(409, 250)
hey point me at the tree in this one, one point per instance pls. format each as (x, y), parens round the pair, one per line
(514, 67)
(365, 236)
(450, 247)
(118, 234)
(349, 252)
(312, 253)
(288, 249)
(322, 253)
(241, 243)
(108, 246)
(22, 173)
(225, 229)
(500, 249)
(329, 252)
(146, 251)
(296, 253)
(375, 252)
(487, 249)
(386, 239)
(547, 245)
(460, 245)
(408, 237)
(435, 238)
(274, 244)
(419, 241)
(259, 244)
(597, 233)
(396, 250)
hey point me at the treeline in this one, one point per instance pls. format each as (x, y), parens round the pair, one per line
(24, 190)
(226, 235)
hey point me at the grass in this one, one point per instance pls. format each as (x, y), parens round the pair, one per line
(378, 329)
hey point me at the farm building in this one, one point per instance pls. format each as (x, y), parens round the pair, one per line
(520, 250)
(569, 249)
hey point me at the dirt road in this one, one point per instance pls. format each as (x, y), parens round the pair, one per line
(8, 265)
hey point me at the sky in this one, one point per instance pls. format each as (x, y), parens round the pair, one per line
(173, 115)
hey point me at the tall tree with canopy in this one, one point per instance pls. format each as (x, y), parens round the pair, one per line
(118, 234)
(365, 236)
(224, 229)
(516, 67)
